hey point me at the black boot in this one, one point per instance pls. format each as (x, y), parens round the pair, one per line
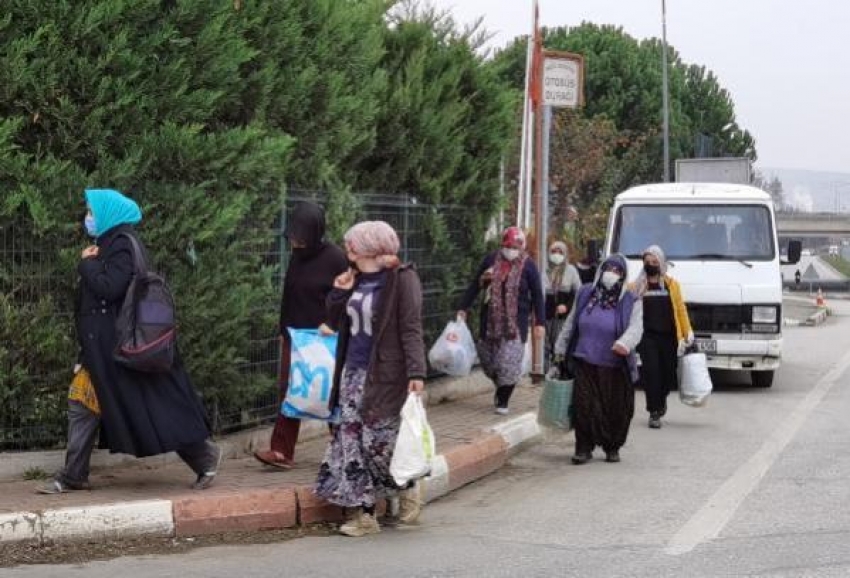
(581, 458)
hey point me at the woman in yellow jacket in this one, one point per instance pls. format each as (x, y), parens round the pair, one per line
(666, 332)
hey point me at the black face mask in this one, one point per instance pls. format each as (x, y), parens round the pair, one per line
(651, 270)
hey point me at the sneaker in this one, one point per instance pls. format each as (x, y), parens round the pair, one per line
(654, 421)
(502, 411)
(52, 487)
(206, 479)
(274, 459)
(581, 458)
(410, 504)
(612, 457)
(361, 524)
(55, 486)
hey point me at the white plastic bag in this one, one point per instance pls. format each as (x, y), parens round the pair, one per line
(527, 359)
(311, 372)
(454, 352)
(414, 448)
(694, 379)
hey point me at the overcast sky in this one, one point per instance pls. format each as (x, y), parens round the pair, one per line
(785, 62)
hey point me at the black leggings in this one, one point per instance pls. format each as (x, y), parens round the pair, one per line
(658, 369)
(503, 395)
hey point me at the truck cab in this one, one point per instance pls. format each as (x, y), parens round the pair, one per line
(721, 244)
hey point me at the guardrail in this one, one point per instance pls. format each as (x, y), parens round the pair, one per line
(803, 216)
(839, 286)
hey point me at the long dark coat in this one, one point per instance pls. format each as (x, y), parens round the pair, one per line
(142, 414)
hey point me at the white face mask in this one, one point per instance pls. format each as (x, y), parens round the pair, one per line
(609, 279)
(510, 254)
(557, 258)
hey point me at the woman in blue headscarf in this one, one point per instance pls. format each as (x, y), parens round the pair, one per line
(140, 414)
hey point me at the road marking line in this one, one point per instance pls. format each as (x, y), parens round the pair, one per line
(710, 520)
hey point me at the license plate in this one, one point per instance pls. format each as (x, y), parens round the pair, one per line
(706, 345)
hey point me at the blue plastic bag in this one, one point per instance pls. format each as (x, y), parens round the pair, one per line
(311, 372)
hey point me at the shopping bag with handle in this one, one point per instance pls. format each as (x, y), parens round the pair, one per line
(556, 401)
(694, 379)
(454, 352)
(311, 373)
(414, 448)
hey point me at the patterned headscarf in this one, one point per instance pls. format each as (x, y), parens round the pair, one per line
(503, 308)
(513, 237)
(374, 239)
(609, 298)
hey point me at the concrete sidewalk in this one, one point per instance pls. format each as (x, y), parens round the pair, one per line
(155, 499)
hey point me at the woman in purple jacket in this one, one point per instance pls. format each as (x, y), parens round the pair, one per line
(597, 344)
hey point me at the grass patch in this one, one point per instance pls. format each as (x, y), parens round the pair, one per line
(839, 263)
(35, 473)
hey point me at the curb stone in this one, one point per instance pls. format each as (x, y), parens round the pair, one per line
(819, 317)
(19, 527)
(257, 509)
(138, 518)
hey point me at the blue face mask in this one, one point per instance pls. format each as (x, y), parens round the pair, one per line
(91, 227)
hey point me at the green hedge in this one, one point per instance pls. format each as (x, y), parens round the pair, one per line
(201, 110)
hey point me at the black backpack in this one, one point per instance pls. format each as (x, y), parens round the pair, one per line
(146, 326)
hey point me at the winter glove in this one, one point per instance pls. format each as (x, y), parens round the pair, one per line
(683, 346)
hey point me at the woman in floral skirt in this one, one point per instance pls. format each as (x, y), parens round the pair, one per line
(377, 308)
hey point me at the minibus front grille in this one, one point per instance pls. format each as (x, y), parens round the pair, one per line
(718, 318)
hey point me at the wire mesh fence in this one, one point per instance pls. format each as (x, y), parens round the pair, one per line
(32, 414)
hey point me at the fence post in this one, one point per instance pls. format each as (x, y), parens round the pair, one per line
(406, 229)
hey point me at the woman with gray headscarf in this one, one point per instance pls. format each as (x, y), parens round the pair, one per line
(666, 331)
(597, 345)
(561, 283)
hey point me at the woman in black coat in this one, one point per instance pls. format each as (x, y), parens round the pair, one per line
(313, 266)
(141, 414)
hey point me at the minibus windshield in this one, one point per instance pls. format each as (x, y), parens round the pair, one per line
(696, 232)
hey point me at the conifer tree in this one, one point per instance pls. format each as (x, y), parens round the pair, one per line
(137, 95)
(442, 133)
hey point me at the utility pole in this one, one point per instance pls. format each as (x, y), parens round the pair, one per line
(665, 90)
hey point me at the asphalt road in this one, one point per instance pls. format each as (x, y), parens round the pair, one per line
(754, 484)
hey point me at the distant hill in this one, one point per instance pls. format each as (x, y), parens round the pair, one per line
(816, 191)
